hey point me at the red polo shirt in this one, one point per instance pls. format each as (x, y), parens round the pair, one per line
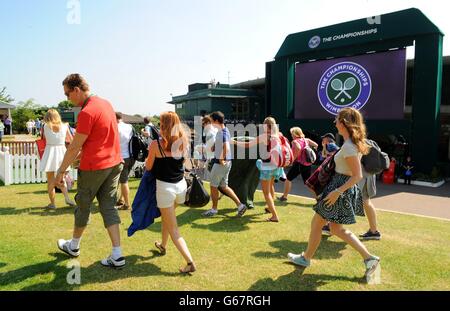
(101, 150)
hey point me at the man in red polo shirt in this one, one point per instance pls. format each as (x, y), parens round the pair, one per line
(97, 138)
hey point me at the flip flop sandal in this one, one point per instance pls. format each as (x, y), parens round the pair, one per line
(188, 269)
(272, 220)
(161, 249)
(123, 207)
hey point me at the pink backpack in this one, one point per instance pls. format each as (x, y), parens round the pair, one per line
(307, 155)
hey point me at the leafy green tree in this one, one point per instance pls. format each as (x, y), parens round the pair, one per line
(65, 105)
(4, 97)
(41, 111)
(155, 120)
(24, 111)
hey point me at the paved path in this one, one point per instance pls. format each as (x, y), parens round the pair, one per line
(417, 200)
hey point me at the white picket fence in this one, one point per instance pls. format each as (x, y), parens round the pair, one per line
(23, 169)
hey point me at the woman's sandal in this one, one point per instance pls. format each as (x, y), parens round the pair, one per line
(189, 268)
(162, 249)
(123, 207)
(272, 220)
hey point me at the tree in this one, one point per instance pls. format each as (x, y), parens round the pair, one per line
(24, 112)
(4, 97)
(65, 105)
(155, 120)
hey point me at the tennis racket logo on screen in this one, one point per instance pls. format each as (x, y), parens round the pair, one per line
(345, 84)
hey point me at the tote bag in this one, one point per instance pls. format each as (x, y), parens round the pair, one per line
(321, 176)
(41, 143)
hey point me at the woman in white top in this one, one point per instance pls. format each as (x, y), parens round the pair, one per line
(56, 133)
(30, 125)
(341, 199)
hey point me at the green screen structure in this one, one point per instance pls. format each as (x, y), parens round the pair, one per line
(386, 32)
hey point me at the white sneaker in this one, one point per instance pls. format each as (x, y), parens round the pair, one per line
(299, 259)
(209, 213)
(371, 264)
(242, 208)
(113, 263)
(64, 246)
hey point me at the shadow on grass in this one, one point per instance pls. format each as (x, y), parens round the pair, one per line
(44, 192)
(42, 211)
(284, 204)
(223, 221)
(2, 264)
(298, 281)
(33, 192)
(326, 250)
(93, 274)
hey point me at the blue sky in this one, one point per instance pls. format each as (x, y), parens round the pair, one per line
(137, 52)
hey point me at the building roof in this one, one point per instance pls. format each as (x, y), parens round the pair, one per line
(4, 105)
(132, 119)
(214, 92)
(402, 24)
(260, 82)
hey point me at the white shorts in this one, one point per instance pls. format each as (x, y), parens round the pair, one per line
(167, 193)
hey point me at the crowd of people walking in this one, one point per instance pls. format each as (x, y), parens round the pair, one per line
(102, 140)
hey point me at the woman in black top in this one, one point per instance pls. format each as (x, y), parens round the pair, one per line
(166, 161)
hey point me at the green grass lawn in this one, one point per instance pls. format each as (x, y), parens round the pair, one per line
(231, 253)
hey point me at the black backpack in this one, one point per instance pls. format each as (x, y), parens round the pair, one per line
(376, 160)
(196, 194)
(138, 147)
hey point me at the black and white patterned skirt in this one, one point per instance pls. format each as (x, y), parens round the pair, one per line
(348, 205)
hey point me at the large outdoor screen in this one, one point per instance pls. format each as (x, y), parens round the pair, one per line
(373, 83)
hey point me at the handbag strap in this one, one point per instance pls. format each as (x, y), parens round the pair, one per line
(160, 148)
(332, 157)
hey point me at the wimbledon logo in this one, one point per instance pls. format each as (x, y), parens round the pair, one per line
(345, 84)
(314, 42)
